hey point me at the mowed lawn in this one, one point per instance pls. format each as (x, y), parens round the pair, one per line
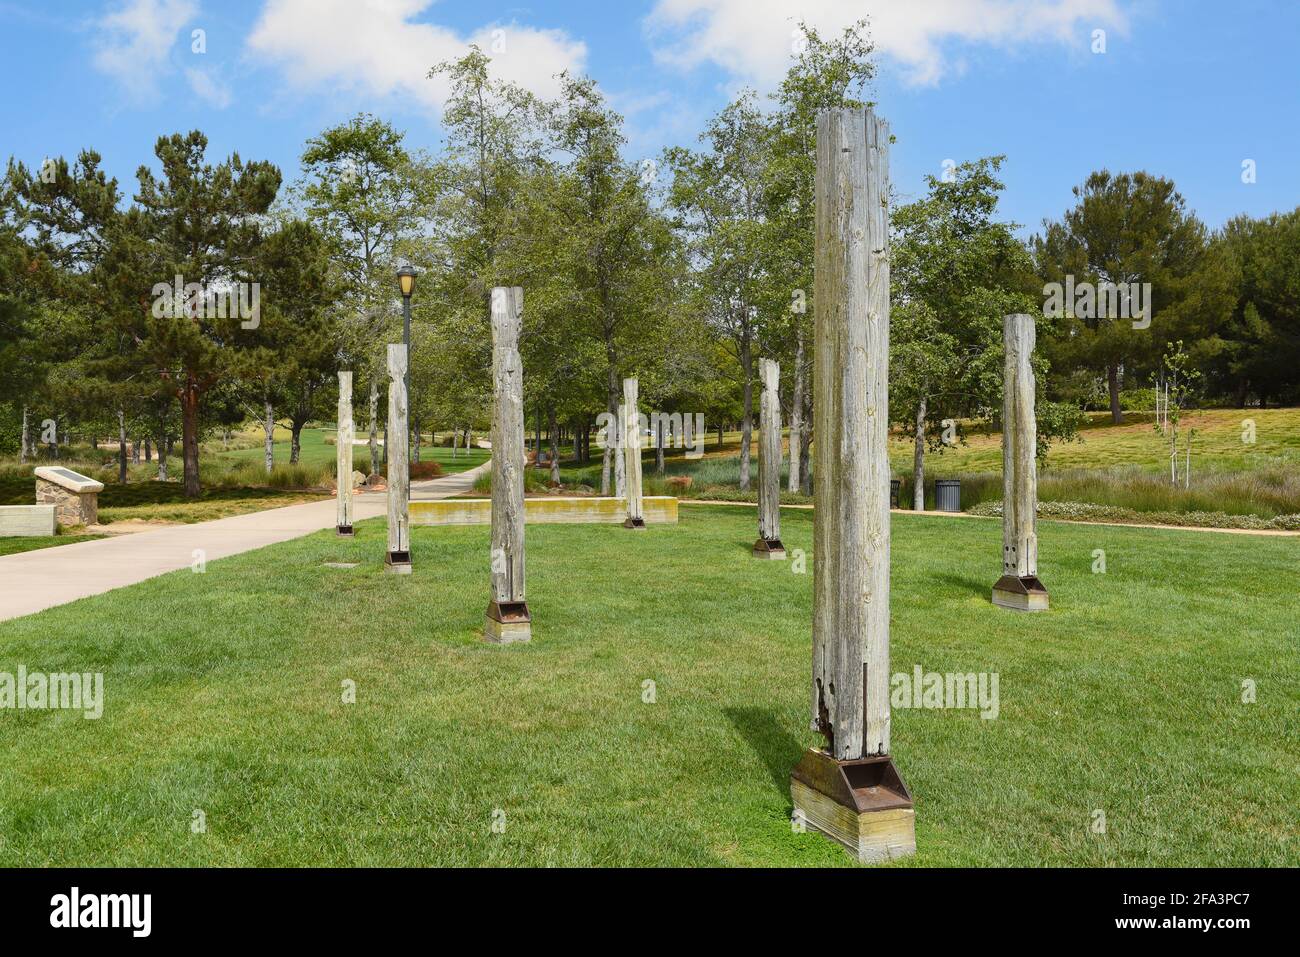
(317, 452)
(223, 696)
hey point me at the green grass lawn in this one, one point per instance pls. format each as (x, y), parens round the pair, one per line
(12, 546)
(317, 453)
(223, 694)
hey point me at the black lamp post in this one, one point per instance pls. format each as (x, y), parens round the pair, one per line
(406, 280)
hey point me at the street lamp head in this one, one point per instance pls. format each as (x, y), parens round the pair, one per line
(406, 278)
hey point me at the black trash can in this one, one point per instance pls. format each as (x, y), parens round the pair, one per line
(947, 495)
(893, 492)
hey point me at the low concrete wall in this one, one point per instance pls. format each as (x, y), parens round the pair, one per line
(26, 520)
(658, 509)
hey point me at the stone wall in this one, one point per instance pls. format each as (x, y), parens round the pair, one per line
(70, 508)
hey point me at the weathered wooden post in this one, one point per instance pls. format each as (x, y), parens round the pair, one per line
(508, 618)
(850, 790)
(343, 455)
(630, 428)
(398, 559)
(769, 463)
(1019, 586)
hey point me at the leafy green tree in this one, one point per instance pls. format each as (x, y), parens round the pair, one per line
(361, 190)
(1125, 228)
(202, 222)
(1254, 352)
(956, 272)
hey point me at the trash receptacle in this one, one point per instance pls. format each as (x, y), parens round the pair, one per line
(947, 495)
(893, 492)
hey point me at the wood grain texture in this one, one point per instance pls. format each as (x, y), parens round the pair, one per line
(769, 451)
(399, 470)
(344, 438)
(630, 428)
(850, 695)
(507, 555)
(1019, 450)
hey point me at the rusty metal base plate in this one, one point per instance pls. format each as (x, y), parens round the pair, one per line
(508, 622)
(863, 804)
(344, 531)
(637, 523)
(769, 548)
(1020, 594)
(398, 563)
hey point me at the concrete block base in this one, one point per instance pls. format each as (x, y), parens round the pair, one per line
(769, 549)
(861, 804)
(1020, 594)
(398, 563)
(508, 622)
(345, 531)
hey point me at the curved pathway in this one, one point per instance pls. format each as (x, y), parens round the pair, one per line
(36, 580)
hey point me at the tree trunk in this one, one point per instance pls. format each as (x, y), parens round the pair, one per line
(659, 446)
(1112, 381)
(747, 423)
(455, 440)
(295, 440)
(148, 449)
(555, 449)
(162, 459)
(805, 455)
(190, 437)
(796, 415)
(22, 450)
(374, 425)
(415, 441)
(121, 446)
(918, 459)
(268, 428)
(135, 451)
(611, 432)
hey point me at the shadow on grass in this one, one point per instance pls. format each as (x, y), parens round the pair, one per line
(964, 583)
(771, 740)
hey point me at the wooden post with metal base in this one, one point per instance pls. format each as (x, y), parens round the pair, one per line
(850, 790)
(769, 464)
(398, 559)
(344, 436)
(508, 618)
(630, 427)
(1019, 587)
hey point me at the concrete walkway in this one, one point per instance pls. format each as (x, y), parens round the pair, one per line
(36, 580)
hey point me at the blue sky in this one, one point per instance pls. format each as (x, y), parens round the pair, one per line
(1185, 88)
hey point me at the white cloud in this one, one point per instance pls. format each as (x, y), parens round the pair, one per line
(375, 47)
(208, 88)
(135, 42)
(752, 39)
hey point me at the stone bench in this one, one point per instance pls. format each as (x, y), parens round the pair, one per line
(26, 521)
(75, 497)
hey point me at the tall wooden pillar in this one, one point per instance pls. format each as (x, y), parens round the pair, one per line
(769, 463)
(398, 559)
(508, 618)
(629, 427)
(1019, 587)
(850, 790)
(344, 437)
